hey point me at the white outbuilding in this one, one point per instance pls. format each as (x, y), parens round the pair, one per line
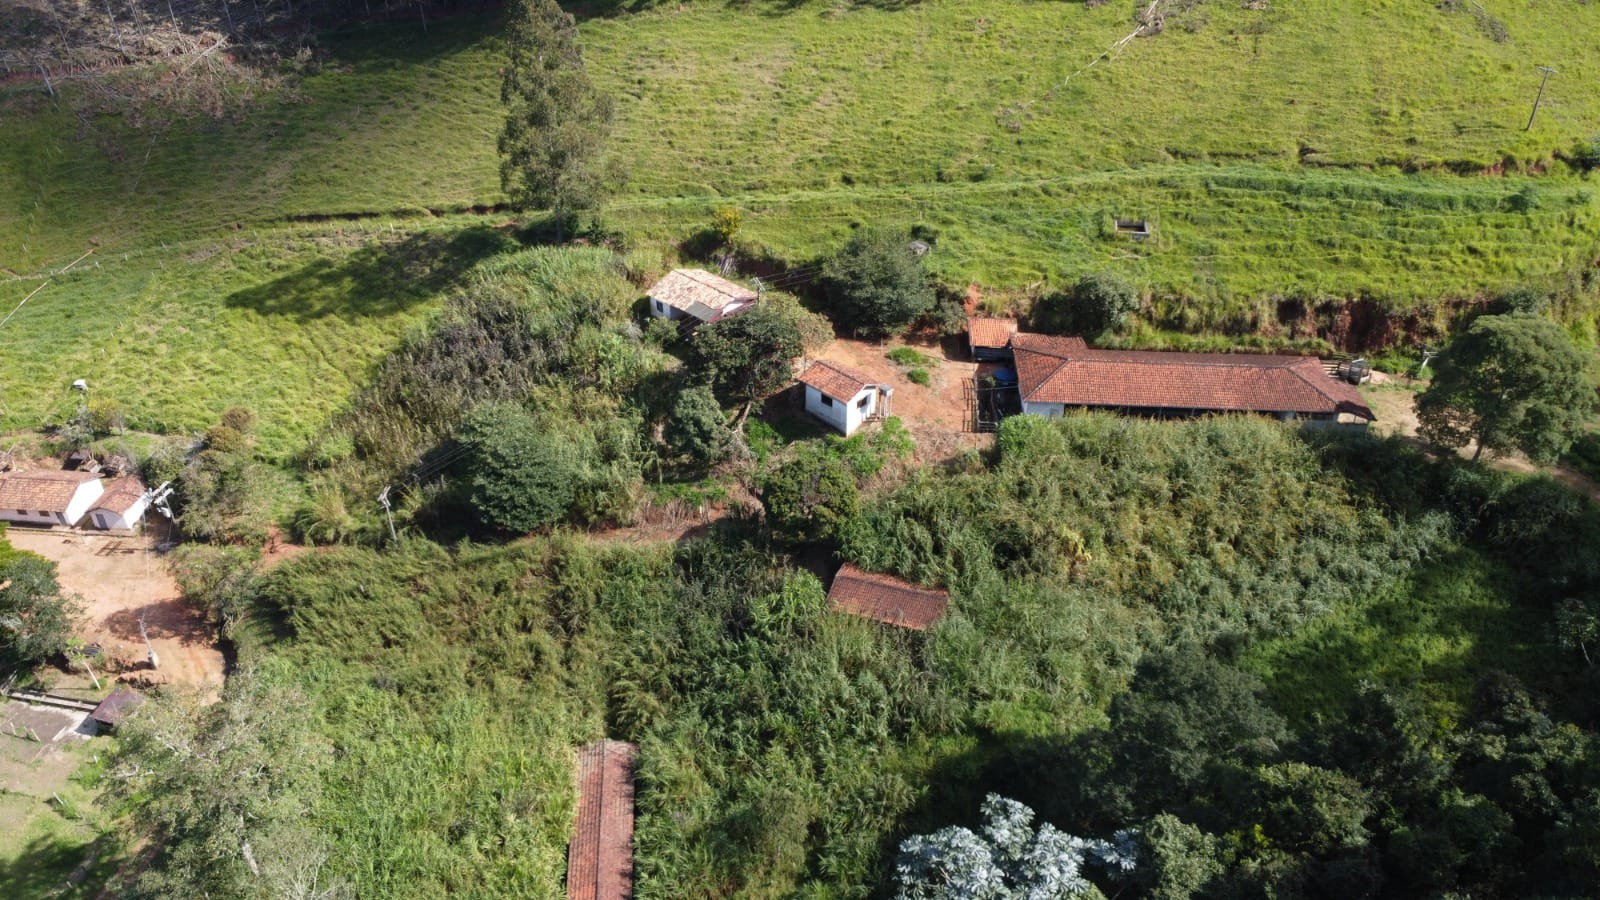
(48, 496)
(842, 397)
(698, 294)
(122, 506)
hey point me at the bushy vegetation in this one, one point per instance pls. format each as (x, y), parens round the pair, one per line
(876, 285)
(1111, 582)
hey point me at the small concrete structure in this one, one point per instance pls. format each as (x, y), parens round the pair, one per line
(122, 506)
(842, 397)
(695, 293)
(48, 496)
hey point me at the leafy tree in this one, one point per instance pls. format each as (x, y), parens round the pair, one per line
(1510, 383)
(1096, 303)
(748, 356)
(523, 476)
(876, 284)
(1187, 723)
(1010, 859)
(726, 221)
(556, 122)
(230, 788)
(1312, 810)
(1176, 859)
(809, 498)
(35, 617)
(1578, 626)
(697, 427)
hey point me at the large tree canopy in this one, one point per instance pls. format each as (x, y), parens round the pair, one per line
(556, 126)
(876, 284)
(748, 356)
(523, 476)
(1510, 383)
(35, 617)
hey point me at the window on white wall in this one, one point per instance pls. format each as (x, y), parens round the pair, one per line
(826, 400)
(862, 403)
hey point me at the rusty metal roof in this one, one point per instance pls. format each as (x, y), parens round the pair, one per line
(885, 598)
(116, 707)
(1063, 370)
(600, 857)
(834, 380)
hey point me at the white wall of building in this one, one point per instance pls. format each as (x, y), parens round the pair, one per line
(1048, 410)
(82, 500)
(662, 311)
(105, 518)
(846, 416)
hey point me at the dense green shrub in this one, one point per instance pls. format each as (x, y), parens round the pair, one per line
(697, 427)
(522, 476)
(1097, 303)
(808, 498)
(876, 284)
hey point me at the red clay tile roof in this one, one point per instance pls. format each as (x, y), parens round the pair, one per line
(600, 857)
(833, 380)
(120, 495)
(116, 707)
(1053, 370)
(41, 489)
(990, 333)
(885, 599)
(700, 293)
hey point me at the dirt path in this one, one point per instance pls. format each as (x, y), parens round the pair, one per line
(1396, 407)
(122, 578)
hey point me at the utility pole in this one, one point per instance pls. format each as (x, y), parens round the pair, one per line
(388, 512)
(1547, 73)
(154, 662)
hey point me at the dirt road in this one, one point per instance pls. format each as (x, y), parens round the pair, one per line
(122, 578)
(1396, 408)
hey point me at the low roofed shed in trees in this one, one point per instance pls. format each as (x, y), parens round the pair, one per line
(886, 599)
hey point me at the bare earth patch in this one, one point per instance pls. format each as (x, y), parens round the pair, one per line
(122, 578)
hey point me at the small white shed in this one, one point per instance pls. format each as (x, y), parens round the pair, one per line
(122, 505)
(695, 293)
(842, 397)
(48, 496)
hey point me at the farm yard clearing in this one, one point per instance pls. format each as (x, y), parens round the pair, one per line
(122, 578)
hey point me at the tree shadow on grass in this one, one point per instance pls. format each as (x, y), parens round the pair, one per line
(377, 280)
(50, 867)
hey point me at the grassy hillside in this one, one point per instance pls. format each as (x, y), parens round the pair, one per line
(974, 116)
(285, 321)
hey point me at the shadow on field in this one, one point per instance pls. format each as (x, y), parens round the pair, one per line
(377, 280)
(44, 868)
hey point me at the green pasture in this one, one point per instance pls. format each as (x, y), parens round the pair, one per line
(1232, 130)
(285, 321)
